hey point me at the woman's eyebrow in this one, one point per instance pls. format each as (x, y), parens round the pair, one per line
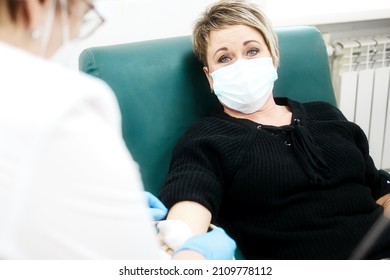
(251, 41)
(220, 49)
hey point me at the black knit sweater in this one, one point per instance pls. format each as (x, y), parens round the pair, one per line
(301, 191)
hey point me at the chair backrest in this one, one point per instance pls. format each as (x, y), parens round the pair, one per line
(162, 90)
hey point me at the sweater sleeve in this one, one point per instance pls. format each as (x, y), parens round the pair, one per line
(195, 173)
(377, 180)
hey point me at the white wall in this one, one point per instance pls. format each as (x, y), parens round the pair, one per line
(139, 20)
(309, 12)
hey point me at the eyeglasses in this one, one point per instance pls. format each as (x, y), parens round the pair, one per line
(92, 21)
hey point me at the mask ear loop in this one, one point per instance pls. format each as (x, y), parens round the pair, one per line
(47, 29)
(65, 22)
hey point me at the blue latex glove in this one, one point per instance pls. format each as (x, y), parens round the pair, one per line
(213, 245)
(156, 207)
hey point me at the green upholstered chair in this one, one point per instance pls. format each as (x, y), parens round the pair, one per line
(162, 90)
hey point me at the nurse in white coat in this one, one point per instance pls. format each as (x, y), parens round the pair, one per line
(69, 189)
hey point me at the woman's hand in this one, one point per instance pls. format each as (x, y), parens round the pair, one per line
(385, 202)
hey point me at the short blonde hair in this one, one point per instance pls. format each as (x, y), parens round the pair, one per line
(227, 13)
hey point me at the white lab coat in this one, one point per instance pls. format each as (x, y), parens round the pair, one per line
(69, 189)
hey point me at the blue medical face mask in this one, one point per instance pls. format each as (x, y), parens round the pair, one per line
(246, 85)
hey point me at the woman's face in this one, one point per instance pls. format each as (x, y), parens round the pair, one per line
(234, 42)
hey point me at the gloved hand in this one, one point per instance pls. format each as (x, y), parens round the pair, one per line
(213, 245)
(156, 207)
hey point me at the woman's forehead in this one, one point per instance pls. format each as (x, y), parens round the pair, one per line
(233, 34)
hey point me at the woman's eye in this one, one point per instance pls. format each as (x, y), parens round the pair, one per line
(253, 52)
(224, 59)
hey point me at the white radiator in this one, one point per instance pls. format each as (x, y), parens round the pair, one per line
(361, 77)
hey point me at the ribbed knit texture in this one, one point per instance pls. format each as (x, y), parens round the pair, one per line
(303, 191)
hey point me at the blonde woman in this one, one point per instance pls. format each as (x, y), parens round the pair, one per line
(69, 187)
(286, 180)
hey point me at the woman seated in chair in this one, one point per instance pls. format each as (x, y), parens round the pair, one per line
(286, 180)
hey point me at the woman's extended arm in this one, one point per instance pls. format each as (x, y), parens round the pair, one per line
(214, 244)
(192, 213)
